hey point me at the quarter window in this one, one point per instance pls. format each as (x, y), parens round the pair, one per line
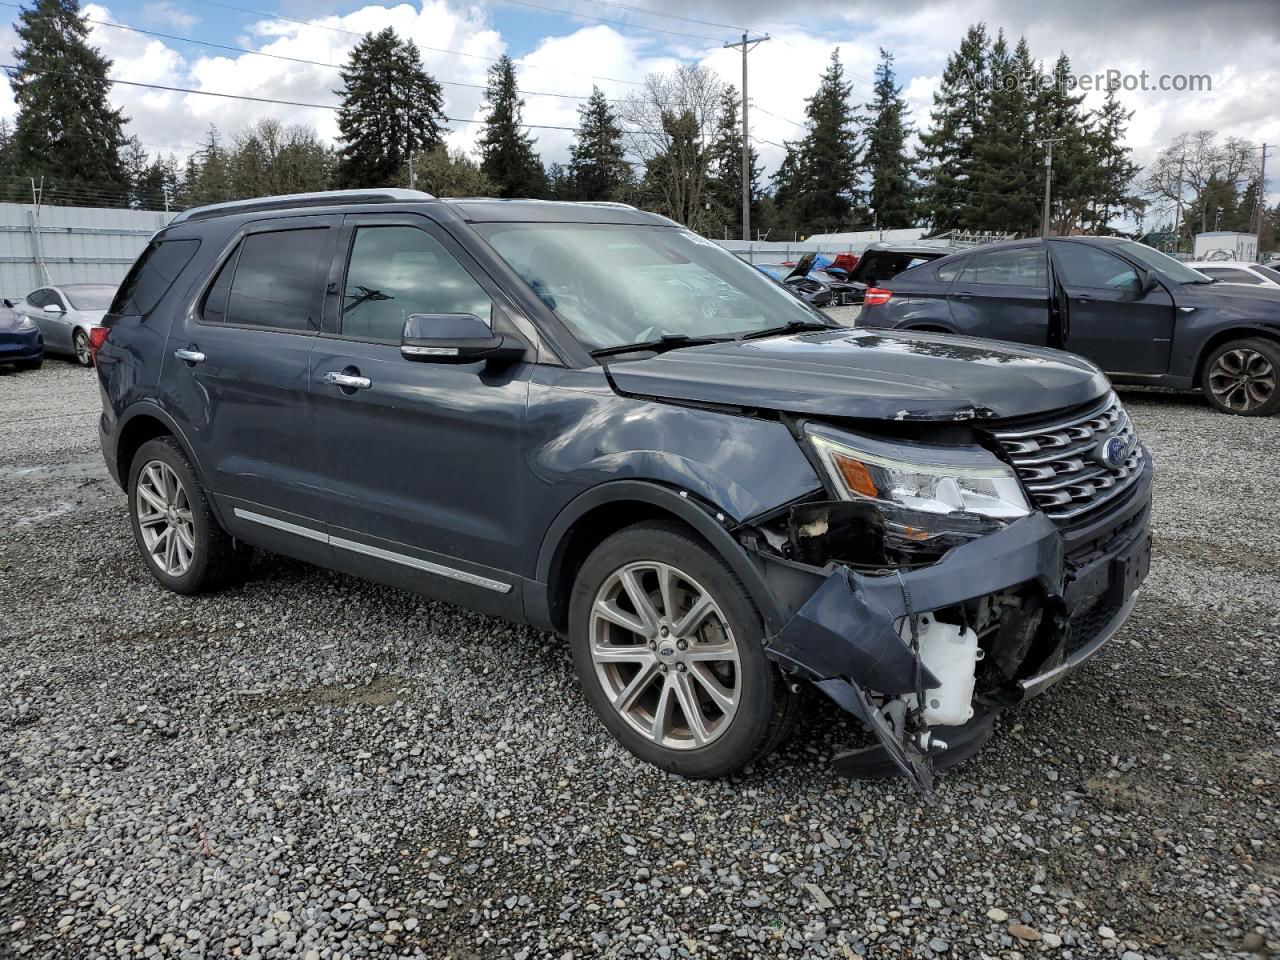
(273, 280)
(1086, 266)
(395, 272)
(949, 271)
(1022, 267)
(152, 275)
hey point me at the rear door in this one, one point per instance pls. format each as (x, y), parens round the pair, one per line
(237, 368)
(1110, 318)
(424, 462)
(1003, 294)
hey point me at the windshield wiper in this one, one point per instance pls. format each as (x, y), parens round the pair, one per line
(668, 341)
(791, 326)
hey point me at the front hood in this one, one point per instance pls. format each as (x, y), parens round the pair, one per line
(869, 375)
(1245, 297)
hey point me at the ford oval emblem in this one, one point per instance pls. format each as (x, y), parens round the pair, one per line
(1113, 451)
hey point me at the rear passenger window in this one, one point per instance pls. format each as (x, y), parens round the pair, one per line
(1010, 268)
(395, 272)
(152, 275)
(273, 280)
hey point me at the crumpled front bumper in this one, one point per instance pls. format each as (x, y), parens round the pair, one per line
(845, 638)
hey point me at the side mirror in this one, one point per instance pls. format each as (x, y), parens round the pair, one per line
(1147, 281)
(456, 338)
(8, 302)
(53, 308)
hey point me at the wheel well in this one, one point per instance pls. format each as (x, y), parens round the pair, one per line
(588, 532)
(135, 433)
(1226, 336)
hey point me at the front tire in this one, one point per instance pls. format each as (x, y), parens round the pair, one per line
(670, 652)
(1241, 377)
(177, 534)
(81, 343)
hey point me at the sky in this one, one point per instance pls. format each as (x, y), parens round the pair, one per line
(564, 47)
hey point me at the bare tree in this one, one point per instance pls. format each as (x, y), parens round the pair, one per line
(670, 125)
(1198, 162)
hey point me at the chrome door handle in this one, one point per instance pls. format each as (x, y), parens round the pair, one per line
(190, 356)
(347, 380)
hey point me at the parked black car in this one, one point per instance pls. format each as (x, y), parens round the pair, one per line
(881, 262)
(462, 399)
(1141, 316)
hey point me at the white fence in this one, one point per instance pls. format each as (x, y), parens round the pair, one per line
(52, 245)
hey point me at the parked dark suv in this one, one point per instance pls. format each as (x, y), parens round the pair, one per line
(1141, 316)
(518, 406)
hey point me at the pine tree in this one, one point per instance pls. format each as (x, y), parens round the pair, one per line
(66, 130)
(818, 183)
(1113, 170)
(598, 169)
(725, 157)
(1003, 194)
(892, 193)
(1058, 116)
(947, 149)
(507, 156)
(390, 107)
(212, 183)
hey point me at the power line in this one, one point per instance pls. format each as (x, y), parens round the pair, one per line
(281, 56)
(456, 53)
(776, 116)
(247, 97)
(619, 23)
(669, 16)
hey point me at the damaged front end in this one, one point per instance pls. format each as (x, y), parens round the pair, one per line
(925, 607)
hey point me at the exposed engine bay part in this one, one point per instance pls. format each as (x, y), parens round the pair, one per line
(951, 653)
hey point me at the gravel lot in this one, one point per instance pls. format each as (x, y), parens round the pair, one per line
(312, 766)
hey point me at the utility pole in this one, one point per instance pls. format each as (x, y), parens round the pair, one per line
(1262, 193)
(1048, 171)
(747, 44)
(1177, 206)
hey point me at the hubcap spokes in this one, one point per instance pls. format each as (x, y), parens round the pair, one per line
(1242, 379)
(164, 517)
(664, 655)
(82, 348)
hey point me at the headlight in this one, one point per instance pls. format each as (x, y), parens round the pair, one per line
(929, 479)
(26, 323)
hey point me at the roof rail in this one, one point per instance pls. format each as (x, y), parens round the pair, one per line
(323, 198)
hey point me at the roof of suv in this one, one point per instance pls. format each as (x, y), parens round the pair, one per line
(471, 209)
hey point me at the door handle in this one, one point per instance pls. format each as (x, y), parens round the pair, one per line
(189, 356)
(1084, 298)
(964, 295)
(347, 381)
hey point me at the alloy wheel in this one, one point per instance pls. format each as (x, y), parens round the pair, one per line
(164, 516)
(665, 655)
(82, 348)
(1242, 379)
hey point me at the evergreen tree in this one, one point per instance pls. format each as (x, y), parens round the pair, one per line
(390, 107)
(66, 130)
(448, 173)
(818, 183)
(1004, 180)
(1058, 115)
(892, 193)
(212, 181)
(1113, 170)
(598, 169)
(507, 155)
(947, 149)
(724, 187)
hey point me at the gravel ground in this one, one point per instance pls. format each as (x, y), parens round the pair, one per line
(312, 766)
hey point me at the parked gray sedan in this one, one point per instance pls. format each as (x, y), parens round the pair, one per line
(66, 314)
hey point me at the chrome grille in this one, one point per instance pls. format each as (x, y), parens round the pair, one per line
(1059, 461)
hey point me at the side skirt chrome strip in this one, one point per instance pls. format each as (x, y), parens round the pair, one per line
(376, 552)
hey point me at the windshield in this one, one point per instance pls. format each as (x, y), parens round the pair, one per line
(621, 284)
(1164, 265)
(1272, 275)
(90, 297)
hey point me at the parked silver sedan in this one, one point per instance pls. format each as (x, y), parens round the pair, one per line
(65, 315)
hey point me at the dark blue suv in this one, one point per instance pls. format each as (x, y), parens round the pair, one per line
(587, 418)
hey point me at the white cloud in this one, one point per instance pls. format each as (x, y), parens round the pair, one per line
(166, 14)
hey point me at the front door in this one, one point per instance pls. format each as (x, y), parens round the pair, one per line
(237, 365)
(425, 466)
(1003, 294)
(1110, 319)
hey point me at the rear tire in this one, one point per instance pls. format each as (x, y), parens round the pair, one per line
(177, 534)
(1242, 377)
(692, 694)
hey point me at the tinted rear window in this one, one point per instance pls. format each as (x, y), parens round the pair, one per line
(273, 280)
(152, 276)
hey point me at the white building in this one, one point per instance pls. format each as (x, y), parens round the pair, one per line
(1226, 245)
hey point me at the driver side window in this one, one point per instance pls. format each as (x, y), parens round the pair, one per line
(397, 271)
(1082, 265)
